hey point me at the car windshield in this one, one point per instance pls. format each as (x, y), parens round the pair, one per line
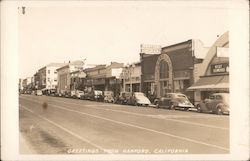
(139, 94)
(181, 96)
(98, 92)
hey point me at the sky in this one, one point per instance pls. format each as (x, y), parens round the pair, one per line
(101, 34)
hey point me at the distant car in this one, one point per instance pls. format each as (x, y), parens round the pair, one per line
(52, 92)
(39, 93)
(73, 94)
(139, 99)
(123, 98)
(216, 103)
(33, 92)
(79, 94)
(97, 95)
(173, 101)
(108, 96)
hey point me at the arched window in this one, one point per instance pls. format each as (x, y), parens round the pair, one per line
(164, 70)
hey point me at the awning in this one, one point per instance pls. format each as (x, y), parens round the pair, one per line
(211, 83)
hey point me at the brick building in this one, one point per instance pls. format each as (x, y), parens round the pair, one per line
(174, 70)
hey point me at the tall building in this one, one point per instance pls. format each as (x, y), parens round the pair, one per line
(46, 77)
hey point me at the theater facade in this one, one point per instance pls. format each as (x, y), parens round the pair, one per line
(174, 70)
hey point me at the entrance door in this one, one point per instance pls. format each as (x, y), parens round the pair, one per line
(163, 88)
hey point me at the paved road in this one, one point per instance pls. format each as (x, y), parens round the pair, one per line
(54, 125)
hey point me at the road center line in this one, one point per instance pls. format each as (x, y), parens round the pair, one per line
(140, 127)
(152, 116)
(66, 130)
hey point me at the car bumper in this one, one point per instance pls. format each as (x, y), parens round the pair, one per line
(185, 106)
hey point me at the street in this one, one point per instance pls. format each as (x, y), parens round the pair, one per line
(56, 125)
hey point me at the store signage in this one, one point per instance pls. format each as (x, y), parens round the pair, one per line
(150, 49)
(220, 68)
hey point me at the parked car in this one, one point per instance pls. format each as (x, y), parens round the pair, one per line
(216, 103)
(123, 98)
(173, 101)
(98, 95)
(52, 92)
(73, 94)
(94, 95)
(139, 99)
(39, 93)
(108, 96)
(79, 94)
(66, 94)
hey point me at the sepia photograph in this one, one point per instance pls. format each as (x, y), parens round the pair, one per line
(128, 79)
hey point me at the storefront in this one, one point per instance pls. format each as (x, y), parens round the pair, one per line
(170, 71)
(215, 69)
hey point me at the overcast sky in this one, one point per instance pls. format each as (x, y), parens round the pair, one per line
(102, 34)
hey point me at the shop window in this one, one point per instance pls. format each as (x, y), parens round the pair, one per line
(212, 97)
(178, 84)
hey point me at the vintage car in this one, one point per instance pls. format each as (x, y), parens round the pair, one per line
(108, 96)
(73, 94)
(98, 95)
(173, 101)
(94, 95)
(123, 98)
(139, 99)
(79, 94)
(38, 93)
(216, 103)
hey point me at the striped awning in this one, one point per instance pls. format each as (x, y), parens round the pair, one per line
(211, 83)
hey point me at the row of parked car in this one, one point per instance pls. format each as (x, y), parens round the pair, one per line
(216, 103)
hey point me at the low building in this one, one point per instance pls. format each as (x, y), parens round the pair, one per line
(77, 80)
(64, 74)
(214, 69)
(174, 70)
(132, 77)
(27, 84)
(104, 77)
(113, 79)
(95, 77)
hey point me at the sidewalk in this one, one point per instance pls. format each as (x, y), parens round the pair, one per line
(24, 147)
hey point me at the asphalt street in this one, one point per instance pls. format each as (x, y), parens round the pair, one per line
(55, 125)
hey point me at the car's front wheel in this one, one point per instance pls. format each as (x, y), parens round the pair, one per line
(199, 109)
(219, 111)
(136, 104)
(172, 107)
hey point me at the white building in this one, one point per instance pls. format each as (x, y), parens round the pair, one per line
(132, 78)
(48, 76)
